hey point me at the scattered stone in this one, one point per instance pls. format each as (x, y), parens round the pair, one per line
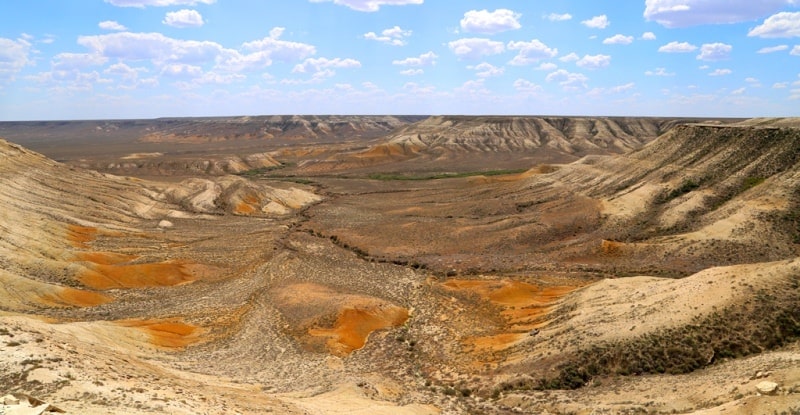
(9, 400)
(533, 332)
(165, 224)
(767, 388)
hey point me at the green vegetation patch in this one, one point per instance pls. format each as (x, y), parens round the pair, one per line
(437, 176)
(767, 321)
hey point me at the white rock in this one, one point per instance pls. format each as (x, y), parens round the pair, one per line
(767, 388)
(165, 224)
(9, 400)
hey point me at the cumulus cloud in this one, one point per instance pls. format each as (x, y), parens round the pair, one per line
(678, 47)
(594, 61)
(773, 49)
(319, 64)
(568, 80)
(597, 22)
(369, 5)
(572, 57)
(795, 51)
(486, 70)
(280, 50)
(526, 86)
(412, 72)
(426, 59)
(714, 51)
(648, 36)
(14, 55)
(720, 72)
(546, 66)
(71, 61)
(489, 23)
(659, 72)
(111, 25)
(184, 18)
(556, 17)
(783, 24)
(618, 40)
(394, 36)
(531, 52)
(157, 3)
(475, 48)
(684, 13)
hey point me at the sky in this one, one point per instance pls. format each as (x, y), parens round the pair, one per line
(113, 59)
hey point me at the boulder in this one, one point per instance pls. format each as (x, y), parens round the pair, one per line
(9, 400)
(767, 388)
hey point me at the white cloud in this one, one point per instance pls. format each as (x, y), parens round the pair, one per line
(568, 80)
(70, 61)
(783, 24)
(475, 48)
(531, 52)
(795, 50)
(555, 17)
(678, 47)
(528, 87)
(720, 72)
(754, 82)
(157, 3)
(648, 36)
(489, 23)
(683, 13)
(318, 64)
(572, 57)
(486, 70)
(317, 78)
(739, 91)
(659, 72)
(426, 59)
(597, 22)
(714, 51)
(594, 61)
(14, 55)
(180, 70)
(772, 49)
(183, 18)
(546, 66)
(394, 36)
(111, 25)
(162, 50)
(280, 50)
(618, 40)
(780, 85)
(412, 72)
(369, 5)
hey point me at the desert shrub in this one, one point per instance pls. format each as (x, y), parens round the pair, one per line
(770, 322)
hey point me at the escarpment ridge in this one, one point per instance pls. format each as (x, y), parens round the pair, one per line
(660, 277)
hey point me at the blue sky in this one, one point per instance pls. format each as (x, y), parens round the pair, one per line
(93, 59)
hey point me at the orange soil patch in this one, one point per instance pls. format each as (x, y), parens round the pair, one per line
(354, 325)
(523, 307)
(244, 208)
(105, 258)
(77, 298)
(161, 274)
(166, 333)
(80, 236)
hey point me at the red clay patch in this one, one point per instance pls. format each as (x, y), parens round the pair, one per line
(76, 298)
(166, 333)
(80, 236)
(523, 307)
(161, 274)
(354, 325)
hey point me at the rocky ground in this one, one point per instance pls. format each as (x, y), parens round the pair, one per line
(661, 281)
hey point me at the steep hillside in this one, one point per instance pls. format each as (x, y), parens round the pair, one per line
(460, 140)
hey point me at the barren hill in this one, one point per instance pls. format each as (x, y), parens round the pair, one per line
(473, 141)
(664, 279)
